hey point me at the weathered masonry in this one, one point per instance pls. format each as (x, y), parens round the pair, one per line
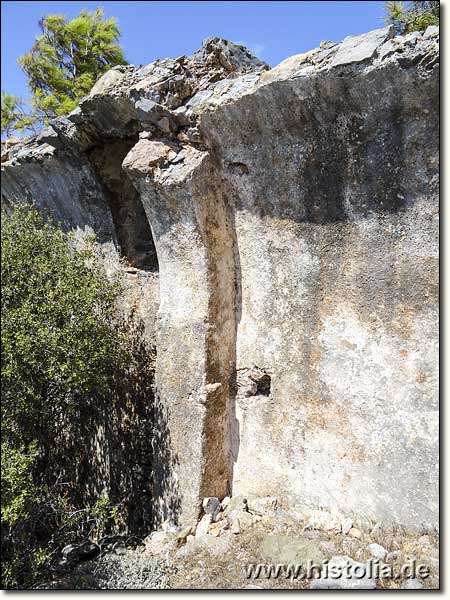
(289, 221)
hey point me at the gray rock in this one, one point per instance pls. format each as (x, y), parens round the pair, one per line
(235, 526)
(313, 534)
(262, 381)
(145, 154)
(160, 543)
(183, 532)
(266, 505)
(431, 31)
(388, 48)
(149, 111)
(108, 81)
(412, 584)
(346, 525)
(377, 551)
(324, 44)
(76, 116)
(291, 550)
(359, 48)
(328, 547)
(219, 526)
(199, 98)
(164, 125)
(411, 38)
(391, 556)
(81, 552)
(179, 157)
(230, 56)
(61, 125)
(203, 525)
(323, 520)
(215, 546)
(211, 506)
(191, 134)
(147, 134)
(235, 503)
(241, 520)
(182, 115)
(49, 136)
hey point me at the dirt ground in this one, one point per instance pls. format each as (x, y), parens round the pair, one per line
(203, 569)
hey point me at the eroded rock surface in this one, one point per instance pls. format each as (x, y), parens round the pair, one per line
(294, 216)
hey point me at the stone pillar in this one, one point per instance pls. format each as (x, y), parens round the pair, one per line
(196, 330)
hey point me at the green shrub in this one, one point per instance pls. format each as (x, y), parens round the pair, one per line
(69, 360)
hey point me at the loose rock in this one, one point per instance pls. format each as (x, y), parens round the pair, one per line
(160, 543)
(291, 550)
(145, 154)
(203, 525)
(377, 551)
(235, 503)
(357, 48)
(431, 31)
(216, 546)
(218, 527)
(346, 525)
(81, 552)
(356, 533)
(225, 502)
(324, 520)
(328, 547)
(211, 506)
(412, 584)
(262, 506)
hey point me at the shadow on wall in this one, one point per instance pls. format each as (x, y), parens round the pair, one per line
(130, 221)
(111, 446)
(233, 422)
(166, 500)
(318, 167)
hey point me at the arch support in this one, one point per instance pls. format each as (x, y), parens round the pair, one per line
(196, 329)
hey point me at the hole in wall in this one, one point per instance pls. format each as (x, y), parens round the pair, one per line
(262, 381)
(238, 168)
(253, 382)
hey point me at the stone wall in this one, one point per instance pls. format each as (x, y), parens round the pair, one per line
(335, 207)
(294, 213)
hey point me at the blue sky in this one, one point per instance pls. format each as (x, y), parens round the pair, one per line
(150, 30)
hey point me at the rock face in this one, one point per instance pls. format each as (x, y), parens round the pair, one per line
(294, 214)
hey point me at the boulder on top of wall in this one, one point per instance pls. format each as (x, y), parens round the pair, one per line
(359, 48)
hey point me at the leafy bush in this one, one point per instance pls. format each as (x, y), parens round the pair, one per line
(59, 328)
(69, 360)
